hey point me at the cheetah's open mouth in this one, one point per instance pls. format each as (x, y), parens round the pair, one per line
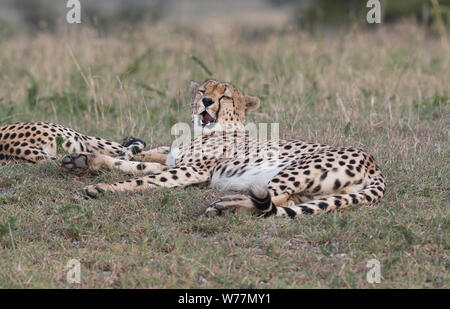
(207, 118)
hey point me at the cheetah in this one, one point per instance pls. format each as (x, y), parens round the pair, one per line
(283, 178)
(36, 142)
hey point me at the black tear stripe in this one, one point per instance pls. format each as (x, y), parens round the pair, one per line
(218, 111)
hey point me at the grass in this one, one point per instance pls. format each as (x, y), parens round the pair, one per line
(384, 90)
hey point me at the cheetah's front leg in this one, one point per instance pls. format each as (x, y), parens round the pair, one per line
(157, 155)
(84, 162)
(170, 178)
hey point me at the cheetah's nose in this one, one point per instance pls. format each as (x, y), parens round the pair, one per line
(207, 102)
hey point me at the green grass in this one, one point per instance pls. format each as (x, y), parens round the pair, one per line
(384, 90)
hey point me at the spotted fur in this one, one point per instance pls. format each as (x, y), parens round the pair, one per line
(282, 178)
(36, 142)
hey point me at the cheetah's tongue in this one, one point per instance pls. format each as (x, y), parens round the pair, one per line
(207, 118)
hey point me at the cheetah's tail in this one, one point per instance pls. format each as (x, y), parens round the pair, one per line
(370, 194)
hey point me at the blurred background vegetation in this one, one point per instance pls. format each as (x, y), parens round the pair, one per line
(49, 15)
(108, 15)
(312, 13)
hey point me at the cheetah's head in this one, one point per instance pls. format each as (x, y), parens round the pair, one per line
(215, 102)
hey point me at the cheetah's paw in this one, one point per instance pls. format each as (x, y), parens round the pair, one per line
(228, 205)
(76, 162)
(94, 190)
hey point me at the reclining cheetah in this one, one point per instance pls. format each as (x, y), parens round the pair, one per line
(42, 141)
(281, 178)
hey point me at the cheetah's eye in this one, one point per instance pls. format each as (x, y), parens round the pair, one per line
(201, 91)
(224, 97)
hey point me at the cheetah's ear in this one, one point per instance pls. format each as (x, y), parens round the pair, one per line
(193, 87)
(251, 103)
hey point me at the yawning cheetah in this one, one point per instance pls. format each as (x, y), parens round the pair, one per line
(281, 178)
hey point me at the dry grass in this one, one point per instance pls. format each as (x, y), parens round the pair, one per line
(384, 90)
